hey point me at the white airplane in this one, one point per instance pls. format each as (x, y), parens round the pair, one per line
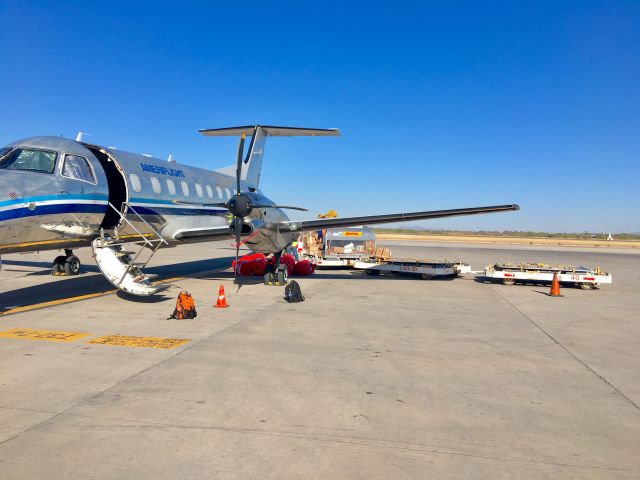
(60, 194)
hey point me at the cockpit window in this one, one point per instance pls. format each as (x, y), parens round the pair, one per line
(77, 167)
(4, 151)
(42, 161)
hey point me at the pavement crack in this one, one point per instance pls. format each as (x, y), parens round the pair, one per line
(93, 396)
(573, 355)
(346, 440)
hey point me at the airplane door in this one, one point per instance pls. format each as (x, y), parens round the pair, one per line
(80, 182)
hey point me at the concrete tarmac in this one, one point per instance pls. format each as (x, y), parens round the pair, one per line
(370, 377)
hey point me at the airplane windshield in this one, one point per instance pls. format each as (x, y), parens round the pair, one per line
(42, 161)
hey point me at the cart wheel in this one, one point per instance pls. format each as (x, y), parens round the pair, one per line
(508, 281)
(371, 271)
(584, 286)
(594, 286)
(426, 276)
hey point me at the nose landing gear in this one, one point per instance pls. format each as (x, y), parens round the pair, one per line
(277, 273)
(67, 264)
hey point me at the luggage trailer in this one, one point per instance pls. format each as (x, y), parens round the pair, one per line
(583, 277)
(424, 269)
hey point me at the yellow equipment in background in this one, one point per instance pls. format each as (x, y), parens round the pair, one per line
(329, 214)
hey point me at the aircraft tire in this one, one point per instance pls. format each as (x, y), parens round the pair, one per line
(282, 274)
(72, 265)
(58, 265)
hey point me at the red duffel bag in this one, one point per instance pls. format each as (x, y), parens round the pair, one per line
(304, 267)
(289, 261)
(248, 265)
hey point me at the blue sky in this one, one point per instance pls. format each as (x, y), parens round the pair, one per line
(440, 104)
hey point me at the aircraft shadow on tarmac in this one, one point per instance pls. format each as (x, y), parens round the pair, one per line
(60, 288)
(46, 267)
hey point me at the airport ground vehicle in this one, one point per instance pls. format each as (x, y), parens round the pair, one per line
(583, 277)
(340, 247)
(425, 269)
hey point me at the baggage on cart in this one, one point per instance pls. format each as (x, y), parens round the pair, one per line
(424, 269)
(511, 273)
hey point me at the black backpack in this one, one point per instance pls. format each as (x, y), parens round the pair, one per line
(292, 292)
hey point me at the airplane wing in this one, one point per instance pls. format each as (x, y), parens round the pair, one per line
(293, 226)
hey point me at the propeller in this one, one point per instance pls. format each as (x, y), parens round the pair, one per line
(241, 204)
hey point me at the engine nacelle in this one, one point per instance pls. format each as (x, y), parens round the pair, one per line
(247, 228)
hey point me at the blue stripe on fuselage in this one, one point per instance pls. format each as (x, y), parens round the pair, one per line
(52, 210)
(70, 206)
(43, 198)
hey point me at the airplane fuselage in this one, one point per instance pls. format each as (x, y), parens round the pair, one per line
(59, 193)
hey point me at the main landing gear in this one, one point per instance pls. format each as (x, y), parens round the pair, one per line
(67, 264)
(277, 274)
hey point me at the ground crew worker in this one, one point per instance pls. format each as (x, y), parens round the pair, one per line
(293, 250)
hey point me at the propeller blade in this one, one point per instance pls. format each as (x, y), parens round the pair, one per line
(239, 163)
(281, 206)
(238, 228)
(253, 139)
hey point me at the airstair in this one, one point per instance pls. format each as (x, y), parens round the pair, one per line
(120, 258)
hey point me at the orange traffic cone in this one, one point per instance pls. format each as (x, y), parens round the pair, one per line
(222, 300)
(555, 286)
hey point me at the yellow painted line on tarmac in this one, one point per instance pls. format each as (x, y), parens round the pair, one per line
(49, 335)
(144, 342)
(62, 301)
(53, 303)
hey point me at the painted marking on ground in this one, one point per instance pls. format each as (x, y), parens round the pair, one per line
(53, 303)
(144, 342)
(62, 301)
(49, 335)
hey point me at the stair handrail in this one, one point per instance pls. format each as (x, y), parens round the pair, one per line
(130, 207)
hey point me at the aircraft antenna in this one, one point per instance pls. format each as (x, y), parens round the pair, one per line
(80, 135)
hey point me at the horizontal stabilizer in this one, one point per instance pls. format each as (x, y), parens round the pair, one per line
(292, 226)
(270, 131)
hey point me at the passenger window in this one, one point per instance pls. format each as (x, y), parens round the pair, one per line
(31, 160)
(228, 192)
(198, 189)
(209, 191)
(219, 192)
(185, 189)
(171, 186)
(135, 182)
(155, 184)
(78, 168)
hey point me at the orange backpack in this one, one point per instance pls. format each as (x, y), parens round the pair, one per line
(185, 307)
